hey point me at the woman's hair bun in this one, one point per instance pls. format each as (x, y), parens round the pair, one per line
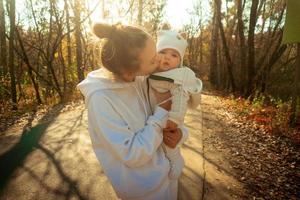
(102, 30)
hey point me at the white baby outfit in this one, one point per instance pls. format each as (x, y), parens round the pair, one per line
(184, 87)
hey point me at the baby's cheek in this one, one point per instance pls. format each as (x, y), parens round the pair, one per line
(160, 67)
(159, 57)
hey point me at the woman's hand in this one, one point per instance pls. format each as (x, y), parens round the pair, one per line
(160, 97)
(171, 137)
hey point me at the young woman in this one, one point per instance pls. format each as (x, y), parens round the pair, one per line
(125, 124)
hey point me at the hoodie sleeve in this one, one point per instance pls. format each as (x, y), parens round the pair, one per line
(132, 148)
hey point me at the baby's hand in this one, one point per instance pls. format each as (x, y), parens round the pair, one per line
(172, 137)
(171, 124)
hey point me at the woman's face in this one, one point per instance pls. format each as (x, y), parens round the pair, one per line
(148, 59)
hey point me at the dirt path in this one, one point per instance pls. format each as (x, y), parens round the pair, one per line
(54, 159)
(207, 174)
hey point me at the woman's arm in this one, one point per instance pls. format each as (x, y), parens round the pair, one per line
(132, 148)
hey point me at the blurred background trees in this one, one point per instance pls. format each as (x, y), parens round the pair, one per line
(46, 47)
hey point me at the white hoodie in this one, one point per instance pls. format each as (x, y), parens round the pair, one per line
(126, 137)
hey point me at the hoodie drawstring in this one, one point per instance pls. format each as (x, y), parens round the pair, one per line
(141, 99)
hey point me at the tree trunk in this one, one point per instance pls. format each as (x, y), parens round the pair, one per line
(68, 47)
(242, 45)
(26, 60)
(201, 49)
(3, 50)
(140, 14)
(229, 63)
(80, 74)
(51, 51)
(19, 75)
(251, 50)
(11, 64)
(63, 69)
(263, 16)
(219, 69)
(296, 95)
(103, 10)
(200, 36)
(213, 46)
(266, 69)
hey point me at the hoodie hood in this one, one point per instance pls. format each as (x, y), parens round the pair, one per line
(100, 79)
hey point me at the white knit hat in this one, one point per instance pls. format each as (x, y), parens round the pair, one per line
(169, 39)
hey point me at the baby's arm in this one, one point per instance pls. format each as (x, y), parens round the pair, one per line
(179, 106)
(180, 98)
(195, 98)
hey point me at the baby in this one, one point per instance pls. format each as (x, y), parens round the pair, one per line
(182, 83)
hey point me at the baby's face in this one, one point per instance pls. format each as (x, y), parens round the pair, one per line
(170, 59)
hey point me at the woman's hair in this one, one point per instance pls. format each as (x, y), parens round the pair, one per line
(120, 52)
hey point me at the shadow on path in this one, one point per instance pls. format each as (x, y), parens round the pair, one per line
(29, 141)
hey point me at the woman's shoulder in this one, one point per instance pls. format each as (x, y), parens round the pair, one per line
(98, 97)
(140, 79)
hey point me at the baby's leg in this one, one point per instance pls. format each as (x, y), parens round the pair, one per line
(176, 162)
(179, 104)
